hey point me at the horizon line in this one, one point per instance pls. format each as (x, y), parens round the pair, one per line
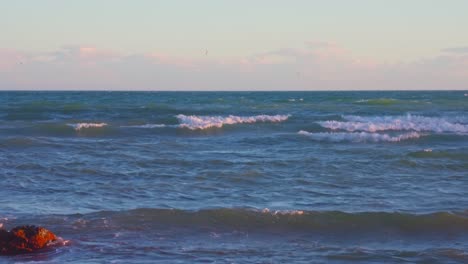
(181, 90)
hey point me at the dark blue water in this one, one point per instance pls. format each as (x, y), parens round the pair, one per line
(261, 177)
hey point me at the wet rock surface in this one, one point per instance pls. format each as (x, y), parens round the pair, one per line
(25, 239)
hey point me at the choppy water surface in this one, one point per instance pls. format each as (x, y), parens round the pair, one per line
(238, 177)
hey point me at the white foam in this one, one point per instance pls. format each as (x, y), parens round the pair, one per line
(80, 126)
(361, 101)
(395, 123)
(203, 122)
(359, 136)
(147, 126)
(283, 212)
(59, 241)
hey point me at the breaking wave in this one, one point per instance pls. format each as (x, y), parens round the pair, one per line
(396, 123)
(194, 122)
(80, 126)
(359, 136)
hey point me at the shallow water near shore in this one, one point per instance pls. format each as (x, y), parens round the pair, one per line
(238, 177)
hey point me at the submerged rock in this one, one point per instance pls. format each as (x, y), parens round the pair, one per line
(24, 239)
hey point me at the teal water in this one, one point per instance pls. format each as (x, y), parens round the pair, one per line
(236, 177)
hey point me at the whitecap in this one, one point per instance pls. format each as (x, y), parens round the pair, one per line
(359, 136)
(194, 122)
(80, 126)
(395, 123)
(361, 101)
(282, 212)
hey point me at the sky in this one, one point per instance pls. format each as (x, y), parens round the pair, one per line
(233, 45)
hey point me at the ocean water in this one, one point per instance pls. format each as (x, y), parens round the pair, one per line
(238, 177)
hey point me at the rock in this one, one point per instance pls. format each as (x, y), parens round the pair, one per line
(5, 237)
(24, 239)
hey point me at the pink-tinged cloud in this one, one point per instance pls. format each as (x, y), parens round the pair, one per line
(161, 58)
(316, 66)
(85, 55)
(92, 53)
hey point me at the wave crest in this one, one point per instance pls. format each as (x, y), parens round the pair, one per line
(395, 123)
(80, 126)
(291, 219)
(147, 126)
(359, 136)
(194, 122)
(282, 212)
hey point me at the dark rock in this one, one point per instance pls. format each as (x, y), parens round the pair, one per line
(24, 239)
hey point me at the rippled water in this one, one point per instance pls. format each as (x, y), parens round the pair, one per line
(238, 177)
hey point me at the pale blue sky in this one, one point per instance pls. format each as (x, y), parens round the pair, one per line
(381, 31)
(396, 29)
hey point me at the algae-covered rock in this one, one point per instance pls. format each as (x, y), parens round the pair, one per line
(24, 239)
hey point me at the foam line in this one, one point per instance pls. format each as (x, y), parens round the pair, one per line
(359, 136)
(147, 126)
(80, 126)
(395, 123)
(194, 122)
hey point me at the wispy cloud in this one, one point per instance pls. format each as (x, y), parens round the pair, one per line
(457, 50)
(315, 66)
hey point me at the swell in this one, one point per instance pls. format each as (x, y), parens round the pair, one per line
(286, 219)
(60, 129)
(461, 155)
(191, 122)
(18, 142)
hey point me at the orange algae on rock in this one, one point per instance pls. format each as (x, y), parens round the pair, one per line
(24, 239)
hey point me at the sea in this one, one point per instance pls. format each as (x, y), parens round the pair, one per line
(237, 177)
